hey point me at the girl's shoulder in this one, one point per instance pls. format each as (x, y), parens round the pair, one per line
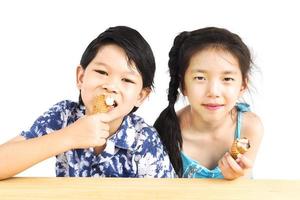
(252, 126)
(250, 119)
(183, 116)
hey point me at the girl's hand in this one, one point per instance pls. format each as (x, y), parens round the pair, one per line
(232, 169)
(88, 131)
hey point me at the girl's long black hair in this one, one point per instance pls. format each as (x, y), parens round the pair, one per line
(185, 45)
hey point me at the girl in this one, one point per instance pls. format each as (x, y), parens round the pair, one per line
(119, 63)
(211, 68)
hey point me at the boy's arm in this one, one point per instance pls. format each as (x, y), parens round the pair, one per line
(19, 154)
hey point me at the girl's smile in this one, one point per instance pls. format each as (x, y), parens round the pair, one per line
(213, 107)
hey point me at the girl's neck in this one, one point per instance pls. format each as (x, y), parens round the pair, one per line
(196, 124)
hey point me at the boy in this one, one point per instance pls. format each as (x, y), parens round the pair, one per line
(118, 64)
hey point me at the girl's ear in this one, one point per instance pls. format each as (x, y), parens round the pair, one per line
(142, 96)
(244, 87)
(181, 89)
(79, 76)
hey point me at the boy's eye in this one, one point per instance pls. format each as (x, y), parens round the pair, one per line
(102, 72)
(227, 79)
(127, 80)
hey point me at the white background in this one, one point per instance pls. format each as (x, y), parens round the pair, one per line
(41, 43)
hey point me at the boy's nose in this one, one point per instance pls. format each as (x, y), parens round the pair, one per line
(110, 88)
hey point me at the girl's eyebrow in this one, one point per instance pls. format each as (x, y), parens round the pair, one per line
(205, 71)
(198, 71)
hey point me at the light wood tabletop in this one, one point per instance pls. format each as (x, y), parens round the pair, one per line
(143, 189)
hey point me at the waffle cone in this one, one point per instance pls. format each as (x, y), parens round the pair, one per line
(236, 149)
(100, 105)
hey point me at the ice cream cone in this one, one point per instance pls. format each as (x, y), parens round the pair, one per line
(239, 146)
(100, 105)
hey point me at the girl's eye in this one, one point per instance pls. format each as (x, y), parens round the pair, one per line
(101, 72)
(199, 78)
(227, 79)
(127, 80)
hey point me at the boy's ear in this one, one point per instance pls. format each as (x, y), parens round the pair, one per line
(79, 76)
(142, 96)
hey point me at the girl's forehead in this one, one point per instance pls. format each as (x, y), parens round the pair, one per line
(213, 60)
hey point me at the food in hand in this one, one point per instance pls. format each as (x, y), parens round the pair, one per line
(239, 146)
(103, 104)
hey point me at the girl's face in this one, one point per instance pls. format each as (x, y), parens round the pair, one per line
(213, 83)
(111, 73)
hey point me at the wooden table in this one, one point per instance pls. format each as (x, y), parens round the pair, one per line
(142, 189)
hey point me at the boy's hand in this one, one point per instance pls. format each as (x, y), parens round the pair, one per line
(89, 131)
(232, 169)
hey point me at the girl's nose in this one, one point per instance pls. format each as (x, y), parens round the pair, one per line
(213, 90)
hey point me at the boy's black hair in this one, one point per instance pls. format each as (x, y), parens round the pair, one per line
(135, 46)
(186, 44)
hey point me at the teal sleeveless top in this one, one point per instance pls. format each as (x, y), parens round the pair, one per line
(192, 169)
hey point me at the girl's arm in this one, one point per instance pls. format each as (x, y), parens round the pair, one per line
(252, 129)
(19, 154)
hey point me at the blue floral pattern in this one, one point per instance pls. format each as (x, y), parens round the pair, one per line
(135, 150)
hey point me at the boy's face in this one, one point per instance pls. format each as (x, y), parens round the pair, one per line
(110, 73)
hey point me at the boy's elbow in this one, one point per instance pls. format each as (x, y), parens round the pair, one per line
(4, 173)
(3, 177)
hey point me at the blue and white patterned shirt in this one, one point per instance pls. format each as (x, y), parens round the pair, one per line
(135, 150)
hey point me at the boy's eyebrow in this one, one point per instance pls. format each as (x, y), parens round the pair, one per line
(101, 63)
(230, 72)
(132, 70)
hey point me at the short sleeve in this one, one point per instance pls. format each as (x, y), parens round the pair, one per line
(50, 121)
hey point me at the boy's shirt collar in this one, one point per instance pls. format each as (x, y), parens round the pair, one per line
(124, 138)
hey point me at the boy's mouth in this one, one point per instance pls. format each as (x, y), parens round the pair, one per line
(111, 102)
(115, 104)
(103, 104)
